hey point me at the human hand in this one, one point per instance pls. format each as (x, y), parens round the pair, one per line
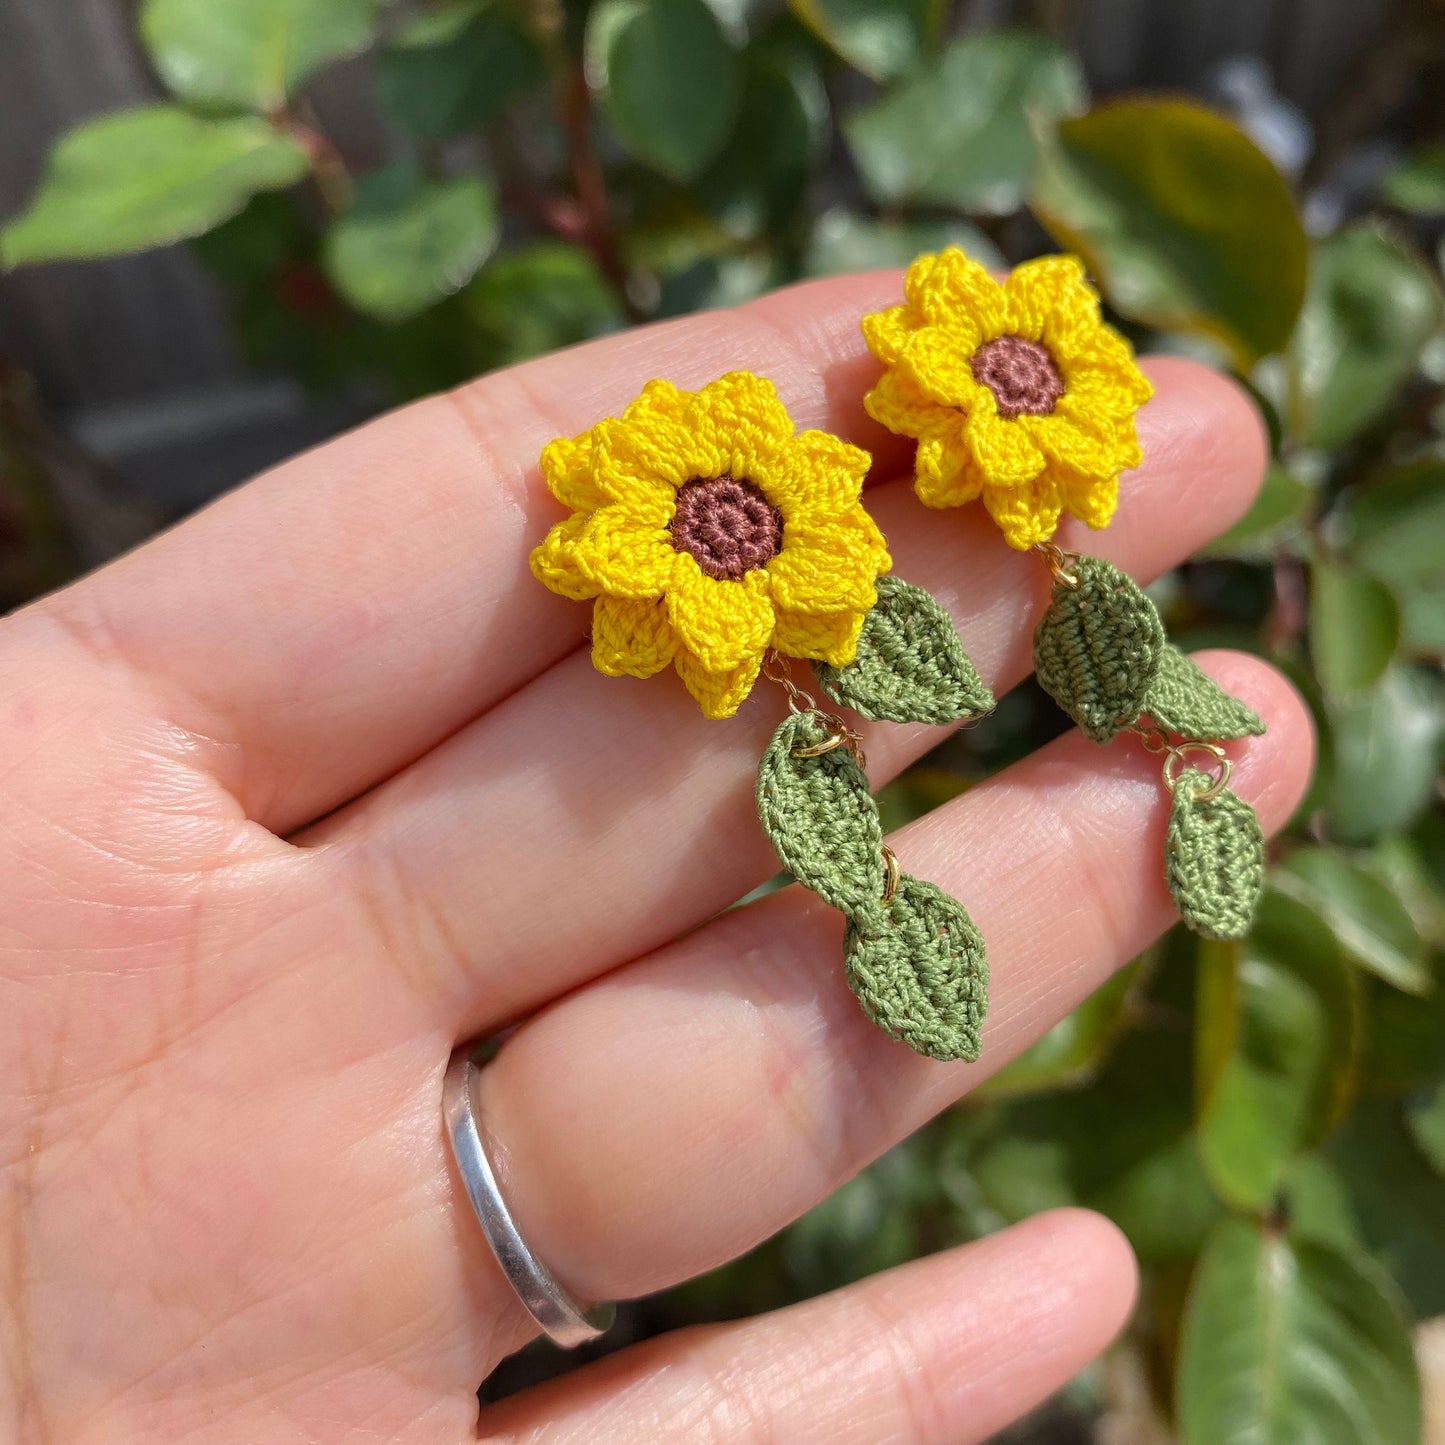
(322, 782)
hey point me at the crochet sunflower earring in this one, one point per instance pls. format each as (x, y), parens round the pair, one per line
(1021, 397)
(712, 538)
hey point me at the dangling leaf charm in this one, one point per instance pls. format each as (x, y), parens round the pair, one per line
(1213, 857)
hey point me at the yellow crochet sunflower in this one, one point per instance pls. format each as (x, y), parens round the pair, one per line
(1016, 393)
(708, 532)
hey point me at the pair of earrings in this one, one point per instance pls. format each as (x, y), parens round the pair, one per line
(713, 538)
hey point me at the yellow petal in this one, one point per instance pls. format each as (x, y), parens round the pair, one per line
(1101, 372)
(939, 361)
(898, 403)
(624, 553)
(648, 461)
(1080, 445)
(567, 470)
(950, 287)
(739, 420)
(1026, 515)
(631, 638)
(816, 475)
(657, 399)
(830, 567)
(719, 694)
(829, 636)
(887, 333)
(554, 565)
(1002, 449)
(1049, 299)
(945, 474)
(1092, 502)
(720, 622)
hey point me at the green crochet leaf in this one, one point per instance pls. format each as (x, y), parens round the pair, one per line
(1184, 701)
(1097, 648)
(910, 667)
(820, 816)
(1213, 859)
(918, 968)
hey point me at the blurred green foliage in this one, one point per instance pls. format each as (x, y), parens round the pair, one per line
(1266, 1120)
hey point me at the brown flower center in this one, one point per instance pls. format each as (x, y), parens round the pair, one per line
(729, 526)
(1020, 373)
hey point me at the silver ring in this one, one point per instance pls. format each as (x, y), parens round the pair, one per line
(562, 1319)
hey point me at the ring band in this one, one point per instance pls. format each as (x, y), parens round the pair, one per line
(560, 1317)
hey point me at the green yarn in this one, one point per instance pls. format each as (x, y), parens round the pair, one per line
(1186, 702)
(1097, 648)
(915, 963)
(910, 667)
(1213, 858)
(918, 968)
(820, 816)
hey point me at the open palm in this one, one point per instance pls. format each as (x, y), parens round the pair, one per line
(321, 783)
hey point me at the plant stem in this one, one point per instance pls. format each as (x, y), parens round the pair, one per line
(328, 166)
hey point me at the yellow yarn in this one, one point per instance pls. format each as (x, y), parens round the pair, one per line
(655, 604)
(1030, 467)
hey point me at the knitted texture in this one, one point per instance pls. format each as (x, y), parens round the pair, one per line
(910, 665)
(705, 531)
(1017, 394)
(917, 967)
(1097, 649)
(1186, 702)
(1213, 859)
(916, 963)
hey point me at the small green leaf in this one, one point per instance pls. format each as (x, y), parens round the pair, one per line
(1287, 1341)
(1186, 702)
(1278, 1024)
(1368, 921)
(1383, 755)
(917, 966)
(1097, 648)
(910, 667)
(1427, 1124)
(670, 81)
(880, 40)
(957, 132)
(1213, 858)
(1372, 305)
(450, 71)
(1274, 520)
(844, 242)
(147, 177)
(761, 177)
(405, 245)
(1418, 184)
(1354, 627)
(820, 818)
(250, 54)
(1187, 222)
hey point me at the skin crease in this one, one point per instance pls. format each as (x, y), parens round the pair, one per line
(321, 782)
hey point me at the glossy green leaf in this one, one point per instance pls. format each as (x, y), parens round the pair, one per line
(1418, 183)
(1290, 1342)
(1274, 519)
(761, 177)
(844, 242)
(1411, 867)
(957, 133)
(1278, 1037)
(881, 40)
(910, 667)
(1369, 923)
(1185, 220)
(1384, 750)
(1371, 307)
(538, 298)
(1074, 1048)
(1396, 526)
(250, 54)
(450, 71)
(1354, 627)
(406, 244)
(670, 81)
(1405, 1037)
(1427, 1124)
(146, 177)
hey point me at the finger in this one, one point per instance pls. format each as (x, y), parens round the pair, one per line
(340, 615)
(947, 1349)
(645, 809)
(675, 1113)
